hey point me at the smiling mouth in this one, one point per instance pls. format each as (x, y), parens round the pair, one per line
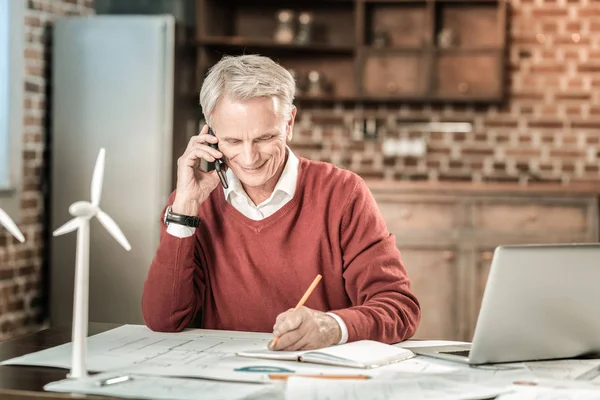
(254, 169)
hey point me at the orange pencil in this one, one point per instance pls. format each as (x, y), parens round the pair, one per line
(303, 299)
(286, 376)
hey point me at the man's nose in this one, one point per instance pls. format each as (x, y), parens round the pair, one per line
(249, 154)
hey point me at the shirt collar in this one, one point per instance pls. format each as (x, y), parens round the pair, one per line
(286, 183)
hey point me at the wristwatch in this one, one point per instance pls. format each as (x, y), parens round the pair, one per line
(180, 219)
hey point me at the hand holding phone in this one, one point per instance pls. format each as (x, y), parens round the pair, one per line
(219, 163)
(194, 185)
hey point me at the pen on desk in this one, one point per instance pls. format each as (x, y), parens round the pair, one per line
(114, 380)
(286, 376)
(590, 374)
(303, 300)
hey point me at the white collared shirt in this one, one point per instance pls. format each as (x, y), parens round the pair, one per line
(236, 196)
(282, 194)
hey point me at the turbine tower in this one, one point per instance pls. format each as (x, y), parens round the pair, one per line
(83, 212)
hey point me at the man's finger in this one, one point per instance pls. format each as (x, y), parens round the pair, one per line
(293, 340)
(281, 317)
(292, 321)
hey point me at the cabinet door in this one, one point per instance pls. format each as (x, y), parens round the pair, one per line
(545, 219)
(418, 219)
(468, 76)
(395, 75)
(435, 281)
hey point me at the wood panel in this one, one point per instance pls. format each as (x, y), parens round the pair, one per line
(402, 25)
(456, 77)
(447, 239)
(434, 280)
(395, 74)
(406, 217)
(531, 218)
(472, 25)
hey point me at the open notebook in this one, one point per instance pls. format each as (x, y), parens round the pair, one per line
(359, 354)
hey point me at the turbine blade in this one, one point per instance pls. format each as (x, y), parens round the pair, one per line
(112, 228)
(97, 178)
(69, 226)
(10, 226)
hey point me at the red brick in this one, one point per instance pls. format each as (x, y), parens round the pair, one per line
(583, 124)
(582, 40)
(589, 12)
(573, 111)
(592, 140)
(549, 68)
(549, 12)
(528, 153)
(589, 67)
(563, 153)
(573, 26)
(528, 96)
(546, 123)
(477, 151)
(582, 96)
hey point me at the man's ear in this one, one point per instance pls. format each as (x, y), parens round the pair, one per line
(290, 125)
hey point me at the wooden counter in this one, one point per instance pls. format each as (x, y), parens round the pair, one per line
(447, 233)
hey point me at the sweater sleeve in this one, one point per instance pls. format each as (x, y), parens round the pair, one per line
(174, 288)
(383, 305)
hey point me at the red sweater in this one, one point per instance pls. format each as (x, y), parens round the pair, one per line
(243, 273)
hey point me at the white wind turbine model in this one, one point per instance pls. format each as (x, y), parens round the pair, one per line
(10, 226)
(83, 212)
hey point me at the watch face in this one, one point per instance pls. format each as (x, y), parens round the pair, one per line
(167, 211)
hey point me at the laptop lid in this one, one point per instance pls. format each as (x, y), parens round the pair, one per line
(540, 302)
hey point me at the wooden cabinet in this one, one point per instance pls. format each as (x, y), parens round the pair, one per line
(447, 239)
(367, 50)
(435, 277)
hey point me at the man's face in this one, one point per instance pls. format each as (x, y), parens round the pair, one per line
(252, 137)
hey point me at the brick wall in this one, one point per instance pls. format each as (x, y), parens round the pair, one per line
(21, 284)
(548, 130)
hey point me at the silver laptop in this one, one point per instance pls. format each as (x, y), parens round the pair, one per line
(540, 302)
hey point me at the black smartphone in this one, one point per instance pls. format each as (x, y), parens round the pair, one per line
(219, 163)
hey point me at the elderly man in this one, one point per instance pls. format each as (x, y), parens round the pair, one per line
(246, 254)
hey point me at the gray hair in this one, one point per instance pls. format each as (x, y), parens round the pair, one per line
(247, 77)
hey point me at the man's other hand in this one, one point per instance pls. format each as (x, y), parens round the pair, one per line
(305, 329)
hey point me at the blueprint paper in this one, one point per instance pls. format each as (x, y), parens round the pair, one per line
(562, 369)
(544, 393)
(138, 345)
(195, 353)
(428, 387)
(161, 388)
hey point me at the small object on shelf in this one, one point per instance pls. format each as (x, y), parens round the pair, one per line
(317, 84)
(305, 28)
(285, 31)
(447, 38)
(392, 87)
(380, 39)
(300, 83)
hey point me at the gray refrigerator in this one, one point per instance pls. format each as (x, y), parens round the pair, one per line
(124, 83)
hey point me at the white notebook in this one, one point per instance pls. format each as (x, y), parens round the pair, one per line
(359, 354)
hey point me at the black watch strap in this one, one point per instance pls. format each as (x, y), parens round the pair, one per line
(180, 219)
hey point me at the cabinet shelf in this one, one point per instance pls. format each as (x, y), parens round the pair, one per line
(369, 51)
(433, 99)
(241, 43)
